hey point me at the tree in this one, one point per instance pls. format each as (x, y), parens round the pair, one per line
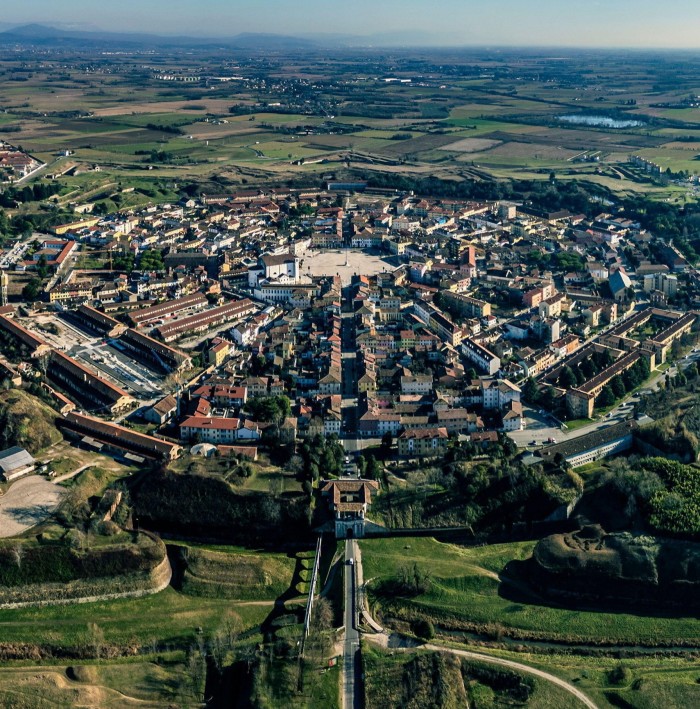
(531, 391)
(42, 266)
(423, 629)
(96, 639)
(606, 397)
(31, 291)
(548, 398)
(567, 378)
(618, 387)
(374, 468)
(387, 440)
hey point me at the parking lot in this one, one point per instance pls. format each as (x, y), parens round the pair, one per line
(28, 502)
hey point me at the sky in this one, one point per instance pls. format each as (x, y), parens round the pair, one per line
(577, 23)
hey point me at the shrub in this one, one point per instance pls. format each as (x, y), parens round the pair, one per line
(82, 673)
(423, 629)
(620, 675)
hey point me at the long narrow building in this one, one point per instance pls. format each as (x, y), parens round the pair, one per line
(88, 388)
(98, 433)
(155, 353)
(98, 322)
(168, 309)
(206, 319)
(37, 346)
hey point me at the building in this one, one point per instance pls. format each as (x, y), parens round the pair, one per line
(486, 360)
(349, 501)
(619, 283)
(168, 309)
(467, 306)
(15, 462)
(132, 445)
(218, 352)
(593, 446)
(662, 282)
(661, 343)
(77, 292)
(208, 429)
(94, 392)
(417, 384)
(581, 400)
(162, 411)
(155, 352)
(9, 374)
(498, 393)
(98, 322)
(37, 347)
(206, 320)
(418, 442)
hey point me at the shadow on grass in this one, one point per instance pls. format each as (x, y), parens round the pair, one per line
(516, 588)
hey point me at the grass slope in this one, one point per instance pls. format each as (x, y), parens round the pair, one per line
(26, 421)
(465, 592)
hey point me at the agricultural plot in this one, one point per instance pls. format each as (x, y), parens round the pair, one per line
(471, 145)
(524, 154)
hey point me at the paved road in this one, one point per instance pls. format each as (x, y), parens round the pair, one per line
(352, 667)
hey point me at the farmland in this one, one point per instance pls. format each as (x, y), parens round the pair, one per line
(296, 119)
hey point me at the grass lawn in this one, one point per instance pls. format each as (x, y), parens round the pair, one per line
(167, 617)
(93, 481)
(578, 423)
(465, 590)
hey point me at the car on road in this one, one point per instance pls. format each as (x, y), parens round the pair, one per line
(351, 562)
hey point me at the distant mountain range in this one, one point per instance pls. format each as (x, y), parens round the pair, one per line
(88, 37)
(48, 36)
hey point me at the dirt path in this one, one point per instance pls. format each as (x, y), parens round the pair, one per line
(396, 642)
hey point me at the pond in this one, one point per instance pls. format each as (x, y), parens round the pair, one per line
(600, 121)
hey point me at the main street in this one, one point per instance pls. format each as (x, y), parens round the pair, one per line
(348, 372)
(352, 666)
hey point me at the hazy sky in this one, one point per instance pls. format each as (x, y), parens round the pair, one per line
(611, 23)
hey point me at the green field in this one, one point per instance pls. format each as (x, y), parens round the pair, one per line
(167, 617)
(465, 592)
(649, 682)
(391, 682)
